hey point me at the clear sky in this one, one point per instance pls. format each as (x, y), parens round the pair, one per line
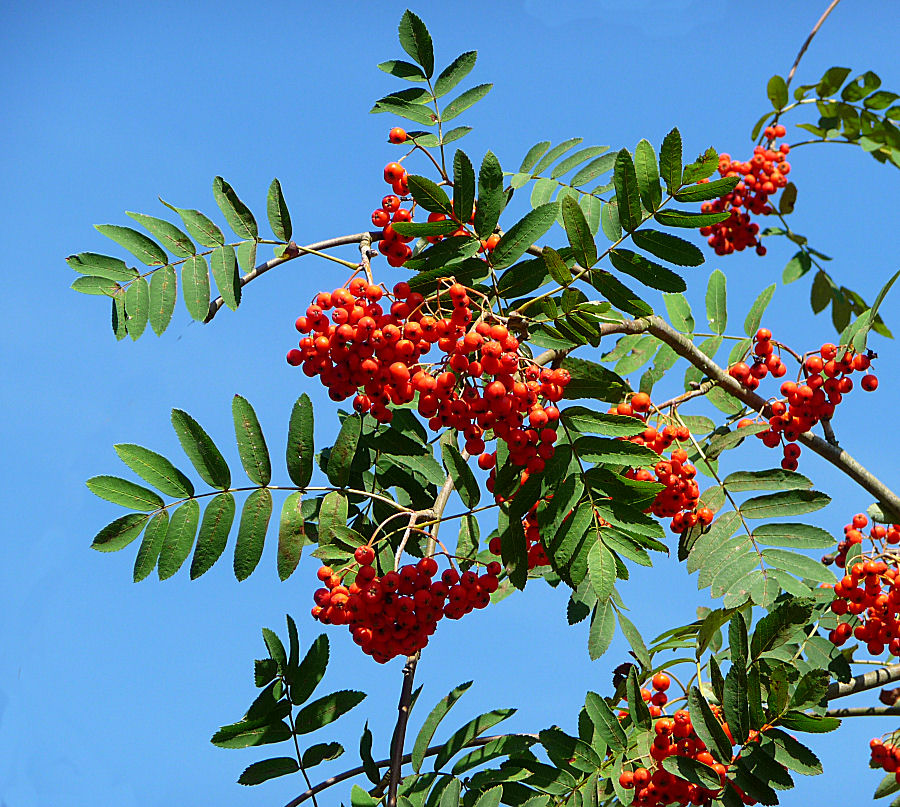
(109, 691)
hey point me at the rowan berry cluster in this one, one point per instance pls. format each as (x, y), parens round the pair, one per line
(761, 177)
(481, 386)
(392, 245)
(824, 382)
(885, 755)
(395, 613)
(675, 736)
(678, 499)
(870, 590)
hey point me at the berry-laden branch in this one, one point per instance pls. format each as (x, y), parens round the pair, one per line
(292, 251)
(685, 348)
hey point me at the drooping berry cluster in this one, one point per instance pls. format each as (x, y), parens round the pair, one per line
(674, 736)
(885, 755)
(761, 177)
(395, 613)
(392, 245)
(678, 500)
(825, 381)
(870, 590)
(480, 384)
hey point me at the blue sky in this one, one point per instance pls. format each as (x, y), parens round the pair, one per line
(109, 691)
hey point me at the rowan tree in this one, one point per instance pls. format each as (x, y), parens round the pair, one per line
(511, 366)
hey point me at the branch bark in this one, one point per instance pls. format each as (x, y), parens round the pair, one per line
(292, 251)
(864, 682)
(864, 711)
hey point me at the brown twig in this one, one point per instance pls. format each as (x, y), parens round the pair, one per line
(409, 674)
(809, 39)
(292, 251)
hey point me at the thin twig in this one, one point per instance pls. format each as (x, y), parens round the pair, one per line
(404, 539)
(809, 39)
(863, 682)
(292, 251)
(397, 741)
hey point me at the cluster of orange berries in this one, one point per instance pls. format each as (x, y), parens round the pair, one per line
(394, 614)
(761, 177)
(480, 384)
(674, 735)
(392, 245)
(885, 756)
(678, 499)
(827, 380)
(870, 591)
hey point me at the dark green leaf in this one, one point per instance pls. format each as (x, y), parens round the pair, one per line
(416, 41)
(683, 218)
(162, 298)
(556, 266)
(799, 565)
(533, 155)
(784, 503)
(774, 479)
(774, 629)
(796, 267)
(247, 733)
(404, 70)
(343, 451)
(701, 168)
(573, 160)
(627, 193)
(174, 240)
(121, 491)
(437, 714)
(213, 537)
(225, 272)
(179, 539)
(605, 721)
(300, 447)
(592, 380)
(716, 307)
(137, 306)
(556, 152)
(579, 233)
(649, 273)
(693, 771)
(195, 286)
(200, 449)
(707, 190)
(202, 230)
(252, 532)
(90, 263)
(463, 186)
(602, 570)
(516, 240)
(148, 552)
(778, 92)
(754, 317)
(679, 311)
(236, 213)
(428, 195)
(119, 533)
(144, 249)
(647, 175)
(454, 73)
(462, 102)
(670, 160)
(155, 469)
(708, 727)
(799, 536)
(668, 247)
(326, 710)
(631, 633)
(291, 535)
(801, 721)
(260, 772)
(251, 444)
(463, 479)
(474, 728)
(603, 628)
(246, 255)
(98, 286)
(278, 213)
(619, 294)
(311, 671)
(491, 198)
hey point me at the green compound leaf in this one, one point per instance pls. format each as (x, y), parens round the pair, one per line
(463, 186)
(121, 491)
(213, 537)
(603, 628)
(252, 532)
(119, 533)
(201, 228)
(148, 552)
(777, 91)
(784, 503)
(175, 241)
(118, 311)
(684, 218)
(144, 249)
(300, 445)
(201, 450)
(326, 710)
(619, 294)
(224, 265)
(179, 539)
(251, 443)
(404, 70)
(137, 306)
(278, 213)
(606, 722)
(754, 317)
(454, 73)
(195, 286)
(90, 263)
(437, 714)
(98, 286)
(668, 247)
(701, 168)
(707, 190)
(679, 311)
(161, 301)
(155, 469)
(708, 727)
(343, 451)
(474, 728)
(236, 213)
